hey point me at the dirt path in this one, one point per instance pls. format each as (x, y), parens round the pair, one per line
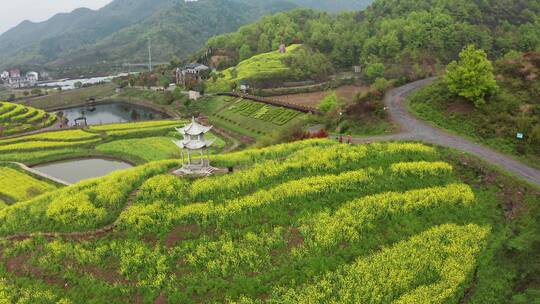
(413, 129)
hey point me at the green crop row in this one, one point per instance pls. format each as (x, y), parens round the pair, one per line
(276, 115)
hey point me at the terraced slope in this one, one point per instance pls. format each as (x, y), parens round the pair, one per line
(308, 222)
(56, 145)
(15, 118)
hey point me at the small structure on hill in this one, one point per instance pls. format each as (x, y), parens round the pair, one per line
(195, 149)
(194, 95)
(191, 74)
(282, 48)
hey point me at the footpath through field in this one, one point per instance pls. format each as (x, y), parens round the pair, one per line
(413, 129)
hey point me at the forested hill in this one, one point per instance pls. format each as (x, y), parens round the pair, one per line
(120, 30)
(401, 34)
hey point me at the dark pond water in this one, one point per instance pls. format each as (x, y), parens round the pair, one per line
(74, 171)
(111, 113)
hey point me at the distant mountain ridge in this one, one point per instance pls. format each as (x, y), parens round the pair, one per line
(120, 31)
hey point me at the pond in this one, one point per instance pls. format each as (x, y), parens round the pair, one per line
(74, 171)
(116, 112)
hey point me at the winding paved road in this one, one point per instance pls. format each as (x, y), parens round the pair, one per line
(414, 129)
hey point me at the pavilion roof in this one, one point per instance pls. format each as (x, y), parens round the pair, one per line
(193, 144)
(193, 129)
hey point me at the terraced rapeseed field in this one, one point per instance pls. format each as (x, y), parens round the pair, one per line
(307, 222)
(19, 186)
(15, 118)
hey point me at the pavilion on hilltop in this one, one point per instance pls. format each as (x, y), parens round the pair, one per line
(195, 149)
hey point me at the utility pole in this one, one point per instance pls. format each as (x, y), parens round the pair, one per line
(150, 55)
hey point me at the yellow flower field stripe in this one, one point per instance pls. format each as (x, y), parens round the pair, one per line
(21, 186)
(432, 267)
(140, 131)
(348, 223)
(252, 156)
(309, 160)
(421, 168)
(39, 144)
(137, 125)
(202, 213)
(18, 109)
(69, 135)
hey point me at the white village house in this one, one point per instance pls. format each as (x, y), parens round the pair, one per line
(191, 72)
(13, 79)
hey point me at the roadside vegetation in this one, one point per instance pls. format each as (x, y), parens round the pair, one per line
(508, 105)
(328, 217)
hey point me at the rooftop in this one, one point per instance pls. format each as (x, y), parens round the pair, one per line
(193, 129)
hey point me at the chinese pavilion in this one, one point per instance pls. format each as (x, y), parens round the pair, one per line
(195, 149)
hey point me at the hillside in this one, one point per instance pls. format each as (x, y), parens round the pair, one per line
(87, 41)
(114, 33)
(267, 69)
(394, 38)
(310, 220)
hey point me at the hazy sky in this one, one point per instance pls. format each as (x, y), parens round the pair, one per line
(13, 12)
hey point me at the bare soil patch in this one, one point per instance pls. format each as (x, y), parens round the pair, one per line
(181, 233)
(294, 238)
(19, 266)
(162, 299)
(460, 107)
(347, 93)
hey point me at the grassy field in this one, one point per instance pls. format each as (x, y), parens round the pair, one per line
(71, 97)
(267, 65)
(135, 142)
(16, 185)
(15, 118)
(247, 117)
(308, 222)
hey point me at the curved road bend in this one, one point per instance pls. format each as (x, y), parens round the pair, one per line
(413, 129)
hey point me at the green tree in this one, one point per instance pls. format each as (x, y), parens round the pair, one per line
(78, 85)
(264, 44)
(374, 69)
(245, 52)
(472, 76)
(164, 81)
(329, 103)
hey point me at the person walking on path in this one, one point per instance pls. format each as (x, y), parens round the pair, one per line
(349, 139)
(341, 139)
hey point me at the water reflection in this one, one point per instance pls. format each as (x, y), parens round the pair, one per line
(74, 171)
(111, 113)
